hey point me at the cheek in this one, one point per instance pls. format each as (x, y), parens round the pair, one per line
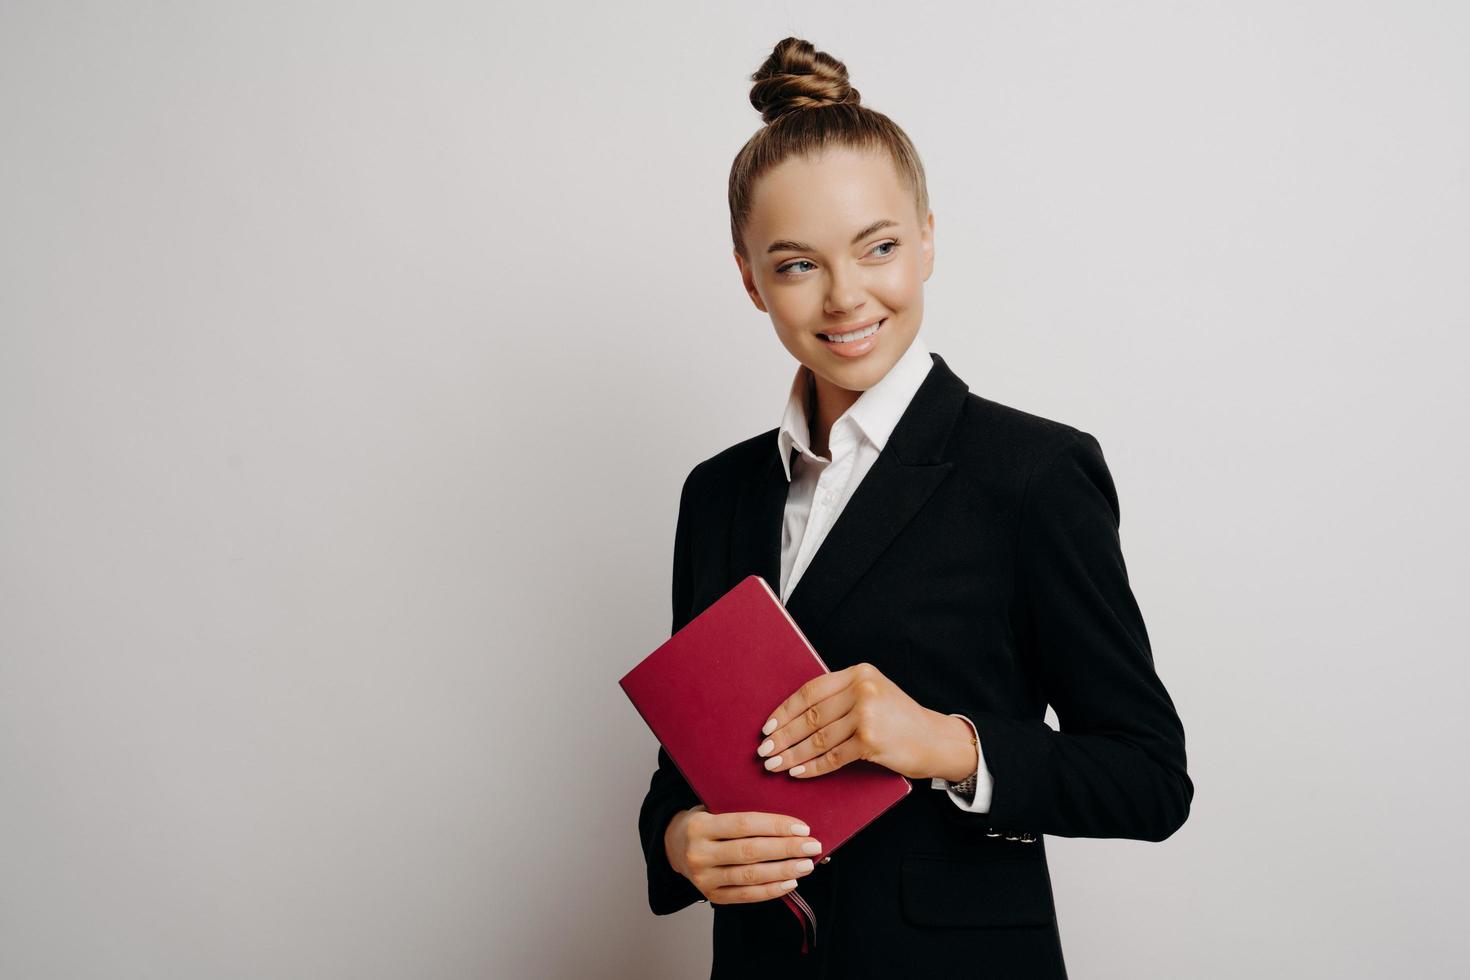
(903, 284)
(796, 304)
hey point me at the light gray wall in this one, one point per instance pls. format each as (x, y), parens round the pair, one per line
(351, 357)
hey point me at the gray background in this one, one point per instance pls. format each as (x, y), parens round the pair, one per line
(351, 358)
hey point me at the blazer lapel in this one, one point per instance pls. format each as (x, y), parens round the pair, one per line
(907, 471)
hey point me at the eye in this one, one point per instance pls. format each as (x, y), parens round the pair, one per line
(789, 269)
(785, 269)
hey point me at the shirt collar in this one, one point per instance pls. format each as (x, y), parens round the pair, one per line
(875, 412)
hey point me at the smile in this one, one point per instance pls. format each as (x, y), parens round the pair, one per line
(847, 338)
(855, 343)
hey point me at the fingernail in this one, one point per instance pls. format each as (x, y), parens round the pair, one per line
(789, 883)
(812, 847)
(796, 770)
(800, 829)
(805, 864)
(770, 727)
(766, 746)
(773, 762)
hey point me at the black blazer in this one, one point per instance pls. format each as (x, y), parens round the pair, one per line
(978, 565)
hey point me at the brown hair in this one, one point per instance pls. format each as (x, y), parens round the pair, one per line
(807, 104)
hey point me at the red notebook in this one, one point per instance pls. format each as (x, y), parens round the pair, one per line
(707, 691)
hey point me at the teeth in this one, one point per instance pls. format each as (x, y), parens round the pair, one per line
(844, 338)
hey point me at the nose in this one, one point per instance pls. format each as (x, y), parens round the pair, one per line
(843, 299)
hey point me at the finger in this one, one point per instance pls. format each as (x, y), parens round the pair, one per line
(757, 882)
(755, 850)
(752, 823)
(799, 759)
(749, 893)
(834, 758)
(802, 727)
(817, 689)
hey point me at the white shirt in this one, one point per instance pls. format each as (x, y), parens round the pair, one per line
(821, 486)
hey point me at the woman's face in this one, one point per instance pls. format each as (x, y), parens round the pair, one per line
(834, 246)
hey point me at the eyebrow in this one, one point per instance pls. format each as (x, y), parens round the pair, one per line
(785, 245)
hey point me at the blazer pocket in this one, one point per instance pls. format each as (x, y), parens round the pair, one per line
(998, 892)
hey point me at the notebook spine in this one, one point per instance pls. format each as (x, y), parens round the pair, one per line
(785, 612)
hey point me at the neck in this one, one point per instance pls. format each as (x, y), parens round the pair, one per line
(825, 404)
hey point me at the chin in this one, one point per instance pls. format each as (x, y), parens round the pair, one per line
(858, 375)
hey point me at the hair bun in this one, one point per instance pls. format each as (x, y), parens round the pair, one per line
(798, 76)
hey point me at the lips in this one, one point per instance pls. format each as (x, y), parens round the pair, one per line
(839, 331)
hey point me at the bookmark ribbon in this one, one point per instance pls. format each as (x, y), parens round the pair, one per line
(805, 916)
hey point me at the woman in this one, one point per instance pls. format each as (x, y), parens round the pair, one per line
(974, 577)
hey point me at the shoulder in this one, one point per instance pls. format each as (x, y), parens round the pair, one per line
(1034, 462)
(1021, 441)
(722, 472)
(1049, 469)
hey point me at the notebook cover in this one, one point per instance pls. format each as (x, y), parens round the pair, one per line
(707, 691)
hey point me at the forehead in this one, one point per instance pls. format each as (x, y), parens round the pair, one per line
(824, 200)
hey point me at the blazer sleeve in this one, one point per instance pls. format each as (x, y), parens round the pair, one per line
(668, 790)
(1116, 766)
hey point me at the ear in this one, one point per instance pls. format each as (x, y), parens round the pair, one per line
(747, 278)
(926, 244)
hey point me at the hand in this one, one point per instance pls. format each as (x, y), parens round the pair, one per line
(857, 713)
(744, 856)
